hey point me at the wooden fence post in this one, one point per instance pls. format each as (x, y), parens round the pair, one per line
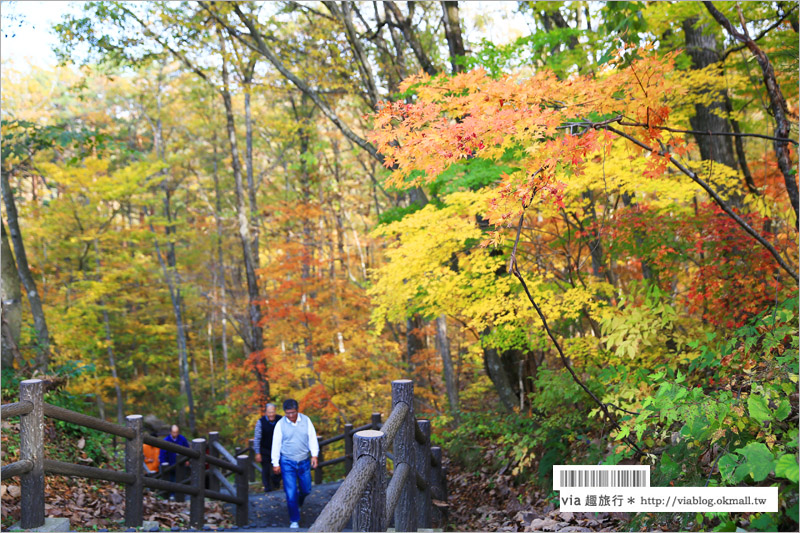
(252, 455)
(198, 475)
(163, 476)
(437, 492)
(134, 461)
(423, 458)
(376, 421)
(348, 448)
(31, 446)
(181, 473)
(405, 514)
(241, 491)
(318, 471)
(370, 511)
(444, 483)
(213, 482)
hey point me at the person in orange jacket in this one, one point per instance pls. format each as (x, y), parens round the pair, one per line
(151, 461)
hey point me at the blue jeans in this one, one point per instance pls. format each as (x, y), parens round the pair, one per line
(296, 484)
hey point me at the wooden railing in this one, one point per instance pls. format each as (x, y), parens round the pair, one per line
(368, 495)
(32, 466)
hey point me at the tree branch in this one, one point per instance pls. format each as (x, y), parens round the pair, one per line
(262, 48)
(717, 199)
(777, 103)
(513, 268)
(729, 134)
(760, 35)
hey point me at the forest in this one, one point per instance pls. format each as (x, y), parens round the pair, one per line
(577, 234)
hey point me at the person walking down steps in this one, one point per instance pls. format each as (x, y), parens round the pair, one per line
(262, 443)
(294, 454)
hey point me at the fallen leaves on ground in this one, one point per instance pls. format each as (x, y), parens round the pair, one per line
(491, 501)
(90, 504)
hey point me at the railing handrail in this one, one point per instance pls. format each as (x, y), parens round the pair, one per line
(16, 468)
(87, 421)
(340, 436)
(32, 466)
(170, 446)
(16, 409)
(332, 518)
(366, 497)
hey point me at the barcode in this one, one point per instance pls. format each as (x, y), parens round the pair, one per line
(577, 476)
(603, 478)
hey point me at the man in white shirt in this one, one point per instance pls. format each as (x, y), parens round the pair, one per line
(294, 454)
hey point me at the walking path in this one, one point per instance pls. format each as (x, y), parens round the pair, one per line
(268, 511)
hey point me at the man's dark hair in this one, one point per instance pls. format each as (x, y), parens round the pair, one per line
(290, 404)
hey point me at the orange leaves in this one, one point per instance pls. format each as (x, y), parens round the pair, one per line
(472, 115)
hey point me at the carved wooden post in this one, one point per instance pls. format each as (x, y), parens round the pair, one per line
(134, 461)
(437, 492)
(376, 421)
(197, 503)
(252, 455)
(370, 511)
(213, 482)
(444, 483)
(318, 471)
(31, 447)
(181, 473)
(405, 515)
(348, 448)
(161, 475)
(424, 468)
(241, 491)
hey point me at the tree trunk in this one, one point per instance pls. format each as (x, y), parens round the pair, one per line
(255, 218)
(452, 30)
(302, 116)
(409, 32)
(11, 305)
(24, 271)
(499, 376)
(702, 48)
(210, 335)
(175, 298)
(595, 246)
(256, 336)
(443, 344)
(345, 16)
(173, 282)
(110, 345)
(221, 267)
(413, 340)
(647, 272)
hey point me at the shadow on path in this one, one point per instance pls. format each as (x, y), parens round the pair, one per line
(268, 511)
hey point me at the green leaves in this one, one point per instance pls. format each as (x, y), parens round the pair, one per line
(757, 405)
(759, 409)
(727, 465)
(786, 466)
(759, 462)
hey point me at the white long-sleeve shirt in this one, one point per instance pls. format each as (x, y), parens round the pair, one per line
(277, 438)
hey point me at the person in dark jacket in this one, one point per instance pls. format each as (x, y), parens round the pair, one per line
(262, 443)
(171, 458)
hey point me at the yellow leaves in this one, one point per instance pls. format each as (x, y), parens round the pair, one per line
(427, 257)
(93, 181)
